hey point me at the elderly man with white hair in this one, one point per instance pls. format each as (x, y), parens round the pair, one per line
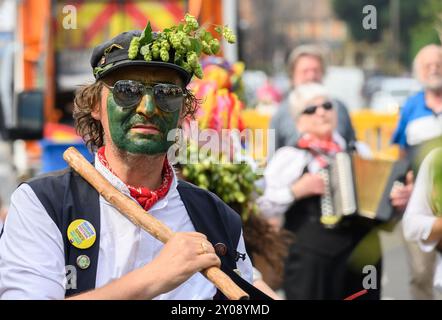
(418, 132)
(322, 263)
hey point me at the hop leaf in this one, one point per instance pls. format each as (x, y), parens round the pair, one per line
(145, 50)
(146, 36)
(207, 36)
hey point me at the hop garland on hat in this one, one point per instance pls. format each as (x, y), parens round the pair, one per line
(182, 45)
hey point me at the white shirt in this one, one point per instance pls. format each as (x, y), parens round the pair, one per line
(32, 263)
(419, 218)
(284, 168)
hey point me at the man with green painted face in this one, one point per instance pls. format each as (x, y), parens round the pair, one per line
(62, 239)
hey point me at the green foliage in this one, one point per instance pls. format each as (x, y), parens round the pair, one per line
(233, 183)
(102, 69)
(182, 44)
(417, 23)
(425, 30)
(436, 190)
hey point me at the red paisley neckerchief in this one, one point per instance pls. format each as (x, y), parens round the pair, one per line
(145, 197)
(321, 149)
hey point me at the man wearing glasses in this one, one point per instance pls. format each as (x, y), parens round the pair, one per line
(62, 239)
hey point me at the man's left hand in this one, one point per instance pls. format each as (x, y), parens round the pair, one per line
(400, 194)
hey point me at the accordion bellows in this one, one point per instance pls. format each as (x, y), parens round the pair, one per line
(359, 186)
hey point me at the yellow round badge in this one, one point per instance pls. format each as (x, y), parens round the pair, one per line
(81, 234)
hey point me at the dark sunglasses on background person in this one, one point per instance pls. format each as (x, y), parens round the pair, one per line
(128, 94)
(312, 109)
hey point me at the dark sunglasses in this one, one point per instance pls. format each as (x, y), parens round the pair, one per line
(312, 109)
(128, 94)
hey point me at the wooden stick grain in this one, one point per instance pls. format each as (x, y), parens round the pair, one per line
(141, 218)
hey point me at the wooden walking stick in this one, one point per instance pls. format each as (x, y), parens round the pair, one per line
(141, 218)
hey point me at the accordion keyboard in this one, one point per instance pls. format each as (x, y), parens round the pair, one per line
(339, 198)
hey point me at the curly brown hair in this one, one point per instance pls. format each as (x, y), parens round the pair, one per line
(88, 97)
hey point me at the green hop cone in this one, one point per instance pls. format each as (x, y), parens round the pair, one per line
(228, 35)
(176, 41)
(155, 51)
(191, 22)
(186, 42)
(206, 48)
(164, 55)
(187, 28)
(133, 48)
(240, 197)
(165, 45)
(192, 59)
(186, 171)
(198, 71)
(214, 45)
(187, 67)
(147, 57)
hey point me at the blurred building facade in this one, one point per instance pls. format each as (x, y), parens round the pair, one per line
(268, 30)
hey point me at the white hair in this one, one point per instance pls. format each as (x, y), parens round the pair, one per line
(417, 64)
(302, 95)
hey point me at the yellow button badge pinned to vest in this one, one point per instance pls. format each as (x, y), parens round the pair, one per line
(81, 234)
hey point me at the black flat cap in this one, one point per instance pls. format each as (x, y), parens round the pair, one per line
(113, 55)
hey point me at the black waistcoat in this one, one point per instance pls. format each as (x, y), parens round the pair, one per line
(66, 196)
(303, 218)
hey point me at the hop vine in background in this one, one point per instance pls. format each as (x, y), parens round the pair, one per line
(182, 45)
(233, 183)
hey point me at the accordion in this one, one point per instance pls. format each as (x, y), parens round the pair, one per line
(354, 185)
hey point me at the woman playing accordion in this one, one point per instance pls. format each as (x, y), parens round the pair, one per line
(329, 252)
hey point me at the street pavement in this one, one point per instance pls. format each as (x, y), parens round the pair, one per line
(396, 273)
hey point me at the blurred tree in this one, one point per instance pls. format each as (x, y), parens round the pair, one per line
(425, 30)
(416, 28)
(351, 13)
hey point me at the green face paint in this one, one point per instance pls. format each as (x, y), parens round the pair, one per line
(136, 140)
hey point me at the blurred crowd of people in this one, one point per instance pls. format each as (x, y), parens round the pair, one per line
(311, 129)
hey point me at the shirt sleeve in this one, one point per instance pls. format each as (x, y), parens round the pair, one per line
(283, 170)
(418, 217)
(244, 265)
(32, 262)
(399, 135)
